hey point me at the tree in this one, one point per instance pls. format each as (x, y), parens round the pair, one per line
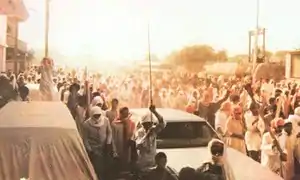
(240, 58)
(222, 55)
(281, 54)
(268, 54)
(193, 57)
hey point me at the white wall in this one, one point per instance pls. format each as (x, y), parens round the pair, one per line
(3, 27)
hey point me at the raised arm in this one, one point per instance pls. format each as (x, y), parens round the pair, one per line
(223, 99)
(161, 123)
(109, 131)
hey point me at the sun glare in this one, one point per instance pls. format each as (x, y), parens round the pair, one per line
(117, 29)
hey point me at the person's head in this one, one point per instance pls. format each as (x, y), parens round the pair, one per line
(234, 98)
(272, 100)
(287, 93)
(161, 160)
(97, 101)
(94, 94)
(24, 92)
(278, 92)
(164, 92)
(114, 103)
(96, 113)
(237, 112)
(187, 173)
(65, 84)
(21, 79)
(254, 108)
(277, 124)
(288, 127)
(29, 79)
(272, 109)
(146, 121)
(217, 150)
(7, 91)
(297, 111)
(74, 88)
(124, 112)
(226, 106)
(9, 72)
(195, 94)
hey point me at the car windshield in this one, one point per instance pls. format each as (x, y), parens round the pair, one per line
(185, 134)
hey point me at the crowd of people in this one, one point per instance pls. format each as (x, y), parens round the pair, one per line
(259, 118)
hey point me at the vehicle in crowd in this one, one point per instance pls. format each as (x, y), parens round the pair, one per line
(40, 140)
(185, 140)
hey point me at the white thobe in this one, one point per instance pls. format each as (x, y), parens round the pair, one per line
(253, 137)
(270, 156)
(221, 119)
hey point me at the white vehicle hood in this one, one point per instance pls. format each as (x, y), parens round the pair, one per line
(244, 168)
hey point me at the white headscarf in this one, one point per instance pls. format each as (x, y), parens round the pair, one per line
(97, 111)
(227, 168)
(147, 118)
(13, 81)
(47, 87)
(96, 100)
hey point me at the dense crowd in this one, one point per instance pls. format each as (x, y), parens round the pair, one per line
(260, 118)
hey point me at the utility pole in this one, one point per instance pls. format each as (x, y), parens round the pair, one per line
(16, 44)
(47, 17)
(256, 37)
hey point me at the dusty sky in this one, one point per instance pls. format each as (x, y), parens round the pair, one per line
(117, 29)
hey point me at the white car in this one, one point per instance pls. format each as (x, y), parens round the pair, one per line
(185, 141)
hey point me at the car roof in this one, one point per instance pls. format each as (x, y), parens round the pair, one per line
(169, 115)
(37, 114)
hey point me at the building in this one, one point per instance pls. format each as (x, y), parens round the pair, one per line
(17, 59)
(292, 65)
(12, 12)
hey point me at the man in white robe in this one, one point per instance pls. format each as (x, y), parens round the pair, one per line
(288, 140)
(255, 129)
(270, 155)
(146, 139)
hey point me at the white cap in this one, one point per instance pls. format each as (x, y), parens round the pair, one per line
(97, 100)
(95, 110)
(147, 118)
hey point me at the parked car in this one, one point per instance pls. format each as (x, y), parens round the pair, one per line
(185, 141)
(40, 140)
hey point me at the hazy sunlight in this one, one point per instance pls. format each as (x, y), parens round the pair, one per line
(117, 29)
